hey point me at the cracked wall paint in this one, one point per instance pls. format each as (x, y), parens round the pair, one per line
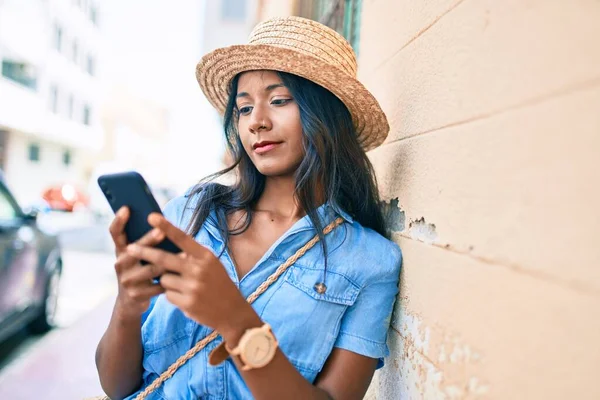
(394, 215)
(418, 229)
(421, 230)
(428, 363)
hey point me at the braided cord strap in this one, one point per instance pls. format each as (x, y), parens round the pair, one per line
(260, 290)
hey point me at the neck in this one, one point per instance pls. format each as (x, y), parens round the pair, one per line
(278, 198)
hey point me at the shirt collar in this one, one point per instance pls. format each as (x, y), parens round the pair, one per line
(327, 213)
(325, 210)
(341, 213)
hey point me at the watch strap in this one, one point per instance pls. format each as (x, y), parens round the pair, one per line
(218, 355)
(222, 351)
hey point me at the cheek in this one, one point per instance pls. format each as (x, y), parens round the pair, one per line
(293, 127)
(295, 147)
(244, 137)
(298, 141)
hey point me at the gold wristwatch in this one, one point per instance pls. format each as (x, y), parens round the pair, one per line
(256, 348)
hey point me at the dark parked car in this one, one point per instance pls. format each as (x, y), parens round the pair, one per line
(30, 269)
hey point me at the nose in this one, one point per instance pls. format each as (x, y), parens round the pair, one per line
(259, 121)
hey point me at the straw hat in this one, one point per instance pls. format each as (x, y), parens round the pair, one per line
(301, 47)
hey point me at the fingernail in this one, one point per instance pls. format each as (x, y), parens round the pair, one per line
(157, 234)
(121, 212)
(133, 249)
(154, 218)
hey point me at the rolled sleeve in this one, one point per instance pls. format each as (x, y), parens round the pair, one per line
(365, 324)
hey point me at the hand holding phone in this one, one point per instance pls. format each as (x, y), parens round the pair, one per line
(131, 190)
(138, 282)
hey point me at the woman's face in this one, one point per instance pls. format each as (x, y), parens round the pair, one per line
(269, 123)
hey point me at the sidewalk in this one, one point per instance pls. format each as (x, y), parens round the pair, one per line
(61, 366)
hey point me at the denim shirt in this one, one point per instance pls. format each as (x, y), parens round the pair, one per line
(354, 312)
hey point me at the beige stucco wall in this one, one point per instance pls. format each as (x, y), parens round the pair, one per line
(494, 159)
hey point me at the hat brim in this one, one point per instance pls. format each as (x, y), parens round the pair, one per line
(216, 70)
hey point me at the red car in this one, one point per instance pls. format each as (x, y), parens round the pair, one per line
(65, 197)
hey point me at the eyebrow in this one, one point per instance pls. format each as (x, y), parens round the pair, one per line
(267, 89)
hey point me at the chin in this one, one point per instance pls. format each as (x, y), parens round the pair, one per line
(274, 169)
(271, 171)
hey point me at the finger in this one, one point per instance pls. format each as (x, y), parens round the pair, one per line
(142, 274)
(126, 261)
(166, 260)
(117, 226)
(185, 242)
(151, 238)
(172, 282)
(176, 298)
(143, 293)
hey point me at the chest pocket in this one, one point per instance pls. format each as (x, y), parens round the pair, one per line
(305, 322)
(166, 335)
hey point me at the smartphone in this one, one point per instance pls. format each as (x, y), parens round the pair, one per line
(131, 190)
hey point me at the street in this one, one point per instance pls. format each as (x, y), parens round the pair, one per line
(60, 364)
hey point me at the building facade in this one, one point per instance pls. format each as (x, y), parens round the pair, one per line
(488, 177)
(50, 92)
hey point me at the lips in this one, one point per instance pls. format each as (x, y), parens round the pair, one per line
(263, 147)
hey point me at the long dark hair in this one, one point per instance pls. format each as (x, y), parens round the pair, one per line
(334, 165)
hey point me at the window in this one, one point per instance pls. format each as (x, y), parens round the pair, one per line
(233, 10)
(331, 13)
(94, 15)
(341, 15)
(3, 143)
(86, 115)
(54, 99)
(71, 106)
(66, 157)
(352, 14)
(34, 152)
(22, 73)
(90, 65)
(58, 37)
(75, 52)
(7, 208)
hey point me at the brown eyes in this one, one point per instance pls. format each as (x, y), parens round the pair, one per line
(246, 110)
(280, 102)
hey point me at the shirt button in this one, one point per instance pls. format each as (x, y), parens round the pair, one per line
(320, 288)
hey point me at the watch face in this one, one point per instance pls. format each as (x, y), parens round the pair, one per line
(259, 350)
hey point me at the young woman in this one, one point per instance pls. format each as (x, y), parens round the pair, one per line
(297, 124)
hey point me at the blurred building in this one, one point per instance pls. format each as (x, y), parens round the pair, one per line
(157, 61)
(227, 22)
(488, 179)
(137, 131)
(224, 23)
(341, 15)
(136, 136)
(49, 92)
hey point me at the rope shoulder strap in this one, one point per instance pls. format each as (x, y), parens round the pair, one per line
(212, 336)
